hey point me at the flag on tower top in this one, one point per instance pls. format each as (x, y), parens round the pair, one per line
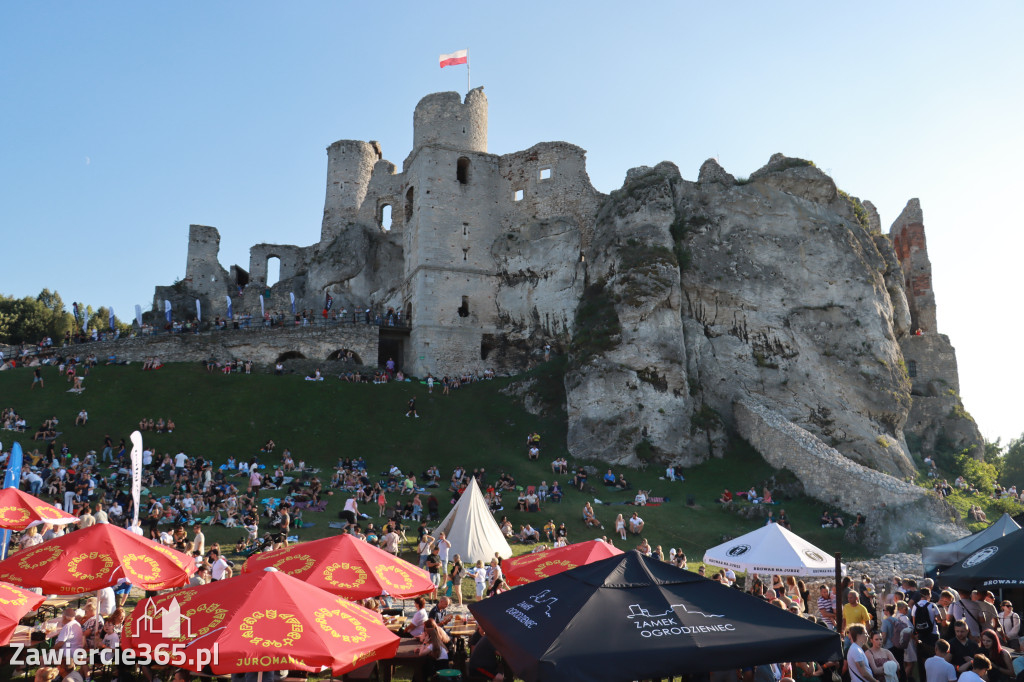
(460, 57)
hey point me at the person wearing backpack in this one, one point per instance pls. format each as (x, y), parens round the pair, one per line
(925, 617)
(901, 636)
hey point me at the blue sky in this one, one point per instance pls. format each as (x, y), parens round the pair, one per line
(125, 122)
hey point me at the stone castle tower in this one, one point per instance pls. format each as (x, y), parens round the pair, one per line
(443, 241)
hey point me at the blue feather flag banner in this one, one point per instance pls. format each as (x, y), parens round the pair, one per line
(12, 478)
(231, 315)
(167, 310)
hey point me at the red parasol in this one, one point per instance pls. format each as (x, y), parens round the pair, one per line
(19, 510)
(96, 557)
(345, 565)
(258, 622)
(15, 602)
(526, 568)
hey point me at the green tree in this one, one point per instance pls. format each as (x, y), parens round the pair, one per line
(1013, 463)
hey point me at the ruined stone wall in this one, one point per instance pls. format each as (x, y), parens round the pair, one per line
(553, 179)
(894, 508)
(386, 188)
(261, 346)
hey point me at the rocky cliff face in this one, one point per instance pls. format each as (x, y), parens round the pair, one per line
(772, 288)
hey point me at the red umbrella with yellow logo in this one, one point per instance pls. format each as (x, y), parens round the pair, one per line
(15, 602)
(96, 557)
(526, 568)
(258, 622)
(19, 510)
(345, 565)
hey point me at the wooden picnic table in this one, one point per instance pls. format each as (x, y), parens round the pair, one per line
(408, 655)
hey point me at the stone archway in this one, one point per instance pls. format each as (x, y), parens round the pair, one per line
(290, 355)
(342, 354)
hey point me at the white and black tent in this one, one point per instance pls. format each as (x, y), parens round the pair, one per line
(472, 530)
(772, 549)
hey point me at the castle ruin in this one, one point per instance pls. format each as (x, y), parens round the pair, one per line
(442, 242)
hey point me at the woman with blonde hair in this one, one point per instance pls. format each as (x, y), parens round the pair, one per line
(620, 526)
(793, 591)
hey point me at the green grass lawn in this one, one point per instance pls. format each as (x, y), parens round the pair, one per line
(219, 416)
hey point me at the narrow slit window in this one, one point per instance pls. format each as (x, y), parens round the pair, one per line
(385, 217)
(462, 170)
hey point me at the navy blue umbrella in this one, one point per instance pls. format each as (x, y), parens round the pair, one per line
(631, 617)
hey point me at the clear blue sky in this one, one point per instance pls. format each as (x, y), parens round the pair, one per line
(122, 123)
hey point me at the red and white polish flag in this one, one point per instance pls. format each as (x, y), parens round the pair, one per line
(460, 57)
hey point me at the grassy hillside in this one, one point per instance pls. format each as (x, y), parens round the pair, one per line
(219, 416)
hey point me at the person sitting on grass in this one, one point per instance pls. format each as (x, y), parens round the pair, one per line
(609, 478)
(579, 481)
(556, 492)
(528, 534)
(726, 497)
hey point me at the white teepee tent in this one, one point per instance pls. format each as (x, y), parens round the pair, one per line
(472, 530)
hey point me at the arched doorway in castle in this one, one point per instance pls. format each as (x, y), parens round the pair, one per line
(345, 355)
(290, 355)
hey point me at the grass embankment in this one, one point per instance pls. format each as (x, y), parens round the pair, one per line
(219, 416)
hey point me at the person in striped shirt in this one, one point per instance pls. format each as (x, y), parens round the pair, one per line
(827, 606)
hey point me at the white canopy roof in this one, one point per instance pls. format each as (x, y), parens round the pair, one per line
(472, 530)
(772, 549)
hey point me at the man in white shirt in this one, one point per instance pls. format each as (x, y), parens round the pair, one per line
(856, 659)
(100, 515)
(221, 569)
(443, 546)
(938, 668)
(180, 460)
(70, 637)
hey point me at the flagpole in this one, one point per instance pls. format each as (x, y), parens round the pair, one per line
(467, 72)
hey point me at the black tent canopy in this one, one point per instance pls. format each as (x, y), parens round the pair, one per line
(943, 556)
(631, 617)
(1000, 563)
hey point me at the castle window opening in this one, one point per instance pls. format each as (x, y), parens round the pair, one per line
(464, 308)
(408, 205)
(462, 170)
(911, 368)
(385, 217)
(518, 195)
(545, 173)
(273, 270)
